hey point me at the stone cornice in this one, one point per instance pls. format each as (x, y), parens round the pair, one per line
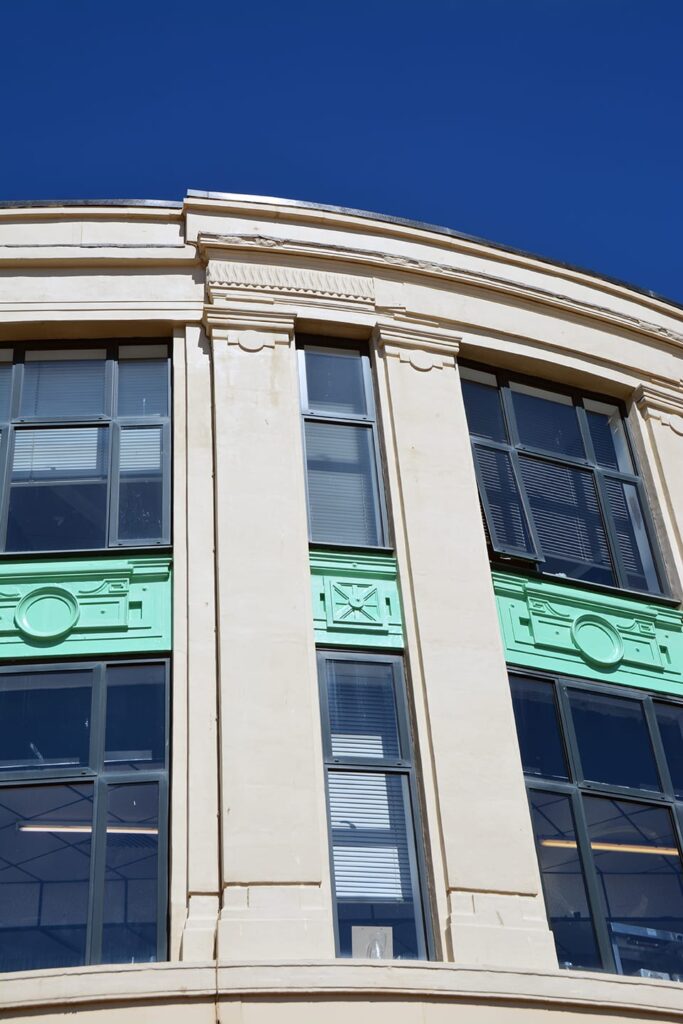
(216, 246)
(252, 330)
(425, 344)
(663, 404)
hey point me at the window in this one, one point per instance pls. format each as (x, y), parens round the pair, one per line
(84, 447)
(558, 482)
(345, 493)
(83, 809)
(372, 807)
(603, 773)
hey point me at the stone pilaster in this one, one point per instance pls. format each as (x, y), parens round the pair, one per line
(492, 911)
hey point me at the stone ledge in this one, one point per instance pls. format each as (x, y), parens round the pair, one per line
(291, 981)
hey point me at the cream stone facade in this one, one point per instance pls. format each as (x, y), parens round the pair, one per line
(232, 281)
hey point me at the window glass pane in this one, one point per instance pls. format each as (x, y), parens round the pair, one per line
(670, 721)
(45, 841)
(372, 853)
(613, 739)
(538, 729)
(362, 710)
(507, 521)
(608, 435)
(564, 886)
(64, 388)
(342, 484)
(635, 853)
(5, 390)
(547, 420)
(568, 520)
(58, 497)
(143, 387)
(131, 910)
(334, 381)
(136, 717)
(482, 404)
(141, 490)
(45, 719)
(634, 546)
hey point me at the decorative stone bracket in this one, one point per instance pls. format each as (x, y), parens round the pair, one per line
(356, 600)
(662, 403)
(90, 607)
(565, 630)
(426, 345)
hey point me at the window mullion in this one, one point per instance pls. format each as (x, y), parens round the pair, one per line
(98, 853)
(596, 897)
(658, 748)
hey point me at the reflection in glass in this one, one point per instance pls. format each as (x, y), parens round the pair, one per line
(636, 855)
(45, 720)
(372, 852)
(143, 387)
(362, 709)
(538, 729)
(482, 404)
(58, 495)
(343, 496)
(141, 484)
(547, 420)
(564, 886)
(129, 933)
(613, 739)
(334, 381)
(65, 388)
(634, 546)
(670, 721)
(608, 436)
(5, 390)
(136, 717)
(568, 520)
(45, 841)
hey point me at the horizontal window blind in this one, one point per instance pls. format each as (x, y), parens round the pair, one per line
(64, 388)
(143, 387)
(369, 836)
(342, 487)
(506, 519)
(362, 710)
(566, 511)
(634, 549)
(140, 450)
(57, 452)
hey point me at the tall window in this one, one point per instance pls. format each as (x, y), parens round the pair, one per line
(83, 809)
(604, 774)
(558, 482)
(345, 493)
(84, 447)
(372, 805)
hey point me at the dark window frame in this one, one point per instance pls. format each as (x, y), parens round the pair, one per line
(533, 556)
(111, 421)
(102, 778)
(403, 767)
(577, 785)
(368, 421)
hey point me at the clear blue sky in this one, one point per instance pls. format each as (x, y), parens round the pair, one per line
(548, 125)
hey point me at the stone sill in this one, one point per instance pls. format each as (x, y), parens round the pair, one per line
(338, 980)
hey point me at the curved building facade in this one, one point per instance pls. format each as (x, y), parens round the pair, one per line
(341, 647)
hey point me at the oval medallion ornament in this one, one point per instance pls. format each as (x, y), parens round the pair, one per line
(598, 640)
(47, 614)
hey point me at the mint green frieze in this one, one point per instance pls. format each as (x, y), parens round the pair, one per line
(98, 607)
(356, 600)
(569, 631)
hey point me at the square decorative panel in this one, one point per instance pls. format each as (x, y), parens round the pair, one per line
(356, 600)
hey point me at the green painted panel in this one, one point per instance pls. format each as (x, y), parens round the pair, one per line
(356, 600)
(566, 630)
(69, 607)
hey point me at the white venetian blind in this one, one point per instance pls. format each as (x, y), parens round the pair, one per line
(66, 387)
(361, 702)
(341, 484)
(140, 450)
(143, 387)
(369, 838)
(60, 452)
